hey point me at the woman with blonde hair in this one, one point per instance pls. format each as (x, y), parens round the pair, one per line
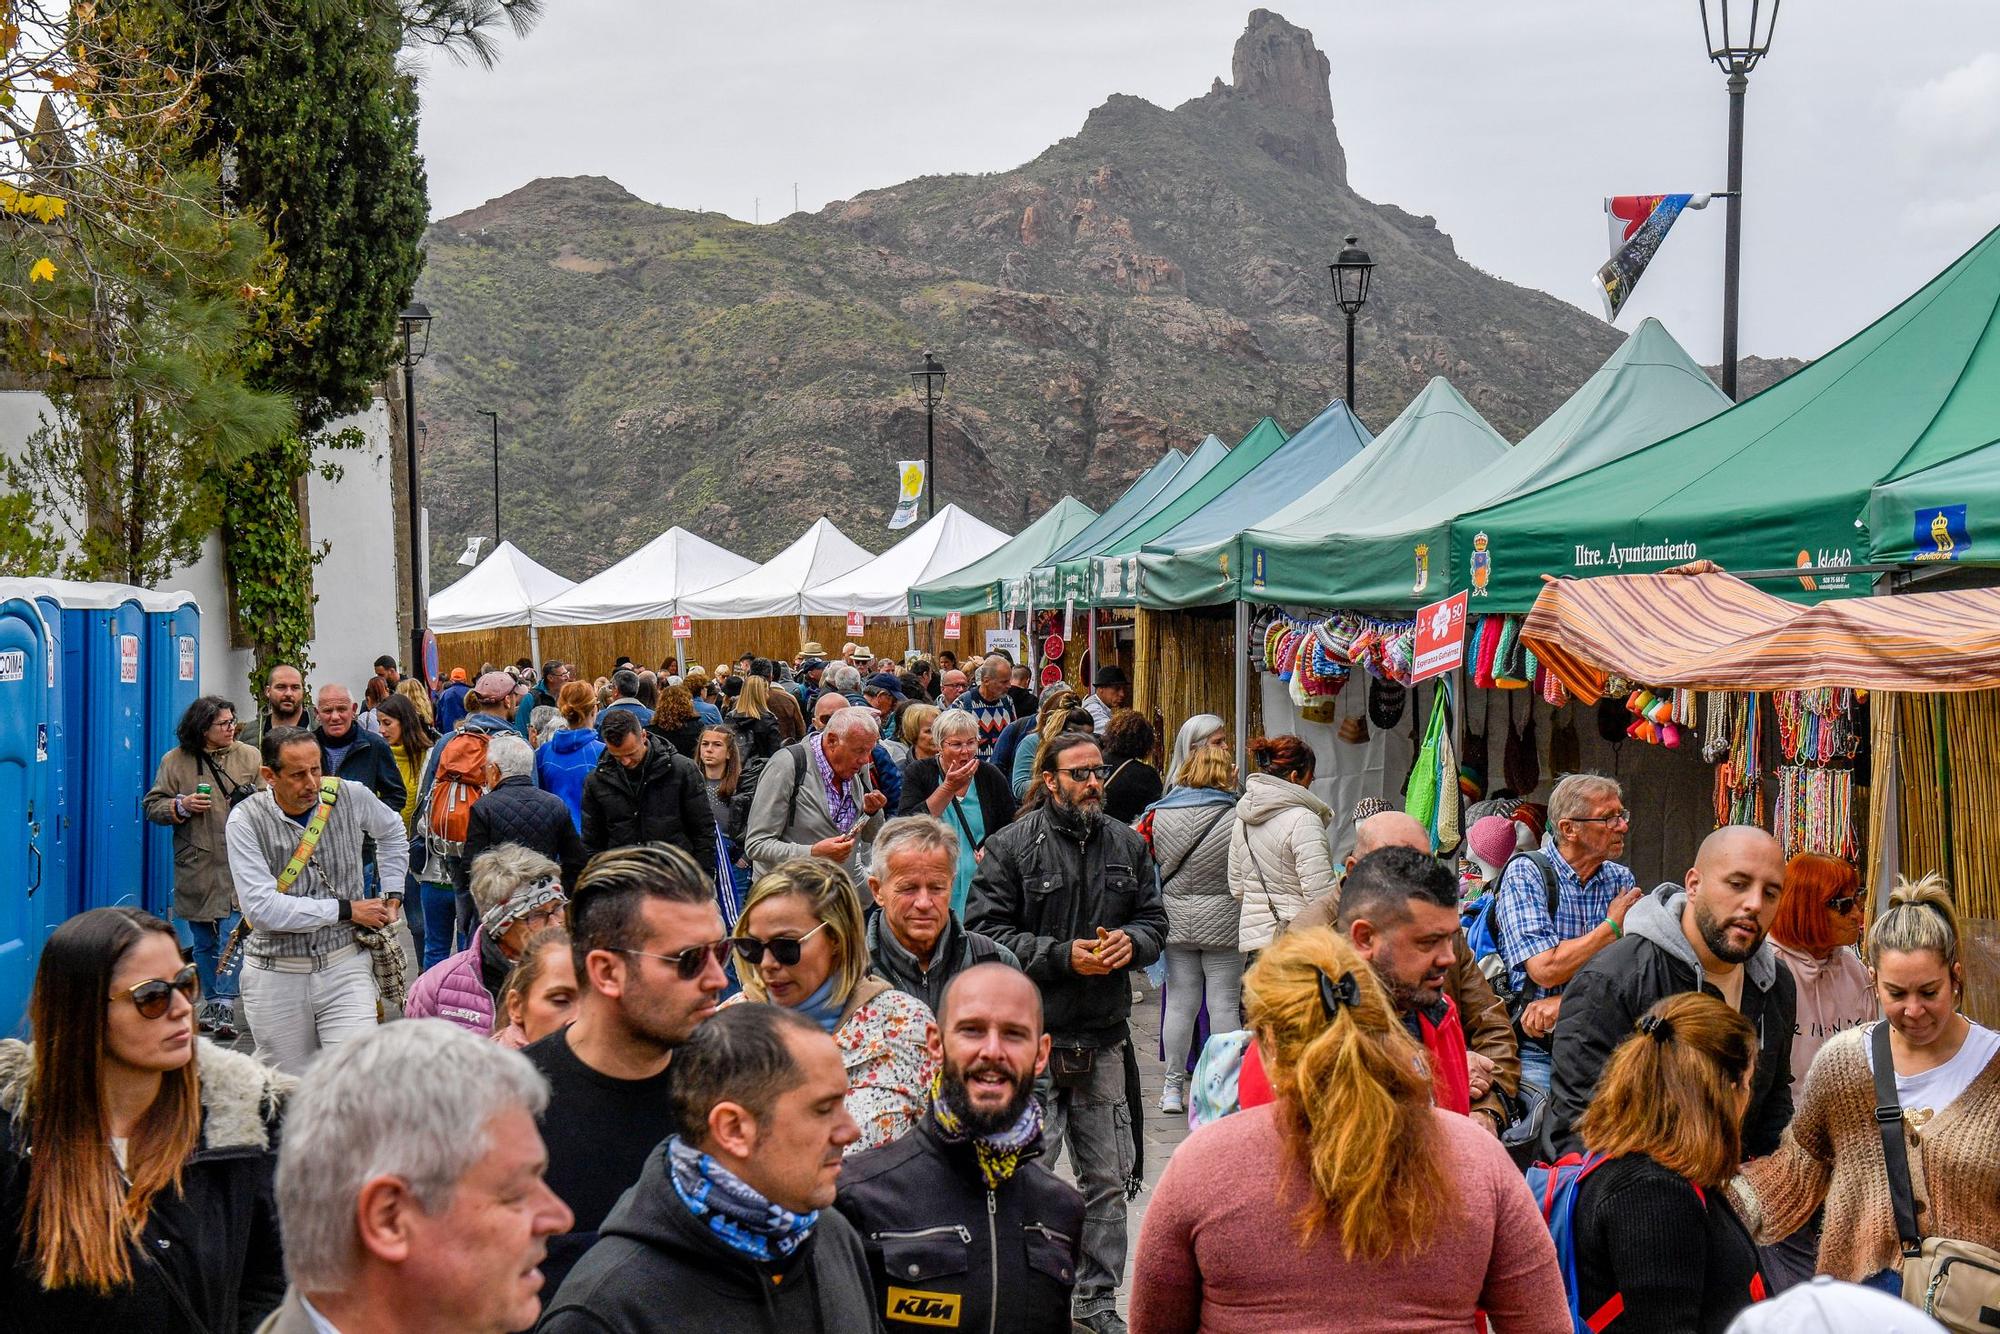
(802, 945)
(751, 716)
(1657, 1245)
(916, 734)
(1415, 1217)
(413, 690)
(1947, 1085)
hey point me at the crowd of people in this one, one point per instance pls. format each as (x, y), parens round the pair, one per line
(770, 999)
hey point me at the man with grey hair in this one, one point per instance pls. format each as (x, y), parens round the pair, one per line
(844, 680)
(990, 703)
(514, 810)
(410, 1188)
(816, 799)
(917, 942)
(1556, 908)
(348, 750)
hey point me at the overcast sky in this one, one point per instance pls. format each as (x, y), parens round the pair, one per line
(1872, 160)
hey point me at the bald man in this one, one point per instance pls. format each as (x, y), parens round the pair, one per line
(1492, 1058)
(1705, 934)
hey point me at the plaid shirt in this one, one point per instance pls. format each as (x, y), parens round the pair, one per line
(1521, 913)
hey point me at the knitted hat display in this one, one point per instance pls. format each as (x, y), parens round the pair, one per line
(1484, 648)
(1510, 660)
(1385, 703)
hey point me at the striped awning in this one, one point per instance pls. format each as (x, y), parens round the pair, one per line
(1698, 628)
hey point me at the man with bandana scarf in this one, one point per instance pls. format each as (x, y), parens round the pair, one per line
(1076, 898)
(969, 1171)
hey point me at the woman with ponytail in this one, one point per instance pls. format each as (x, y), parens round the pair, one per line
(1392, 1214)
(1657, 1246)
(1947, 1085)
(1279, 859)
(135, 1158)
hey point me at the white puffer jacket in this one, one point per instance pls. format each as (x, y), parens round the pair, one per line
(1279, 858)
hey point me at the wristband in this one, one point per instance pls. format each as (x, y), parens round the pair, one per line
(346, 910)
(1617, 931)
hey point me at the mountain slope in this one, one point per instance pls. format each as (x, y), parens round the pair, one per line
(1158, 275)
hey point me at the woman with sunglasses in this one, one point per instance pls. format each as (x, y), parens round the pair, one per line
(801, 945)
(199, 782)
(1819, 921)
(516, 892)
(135, 1158)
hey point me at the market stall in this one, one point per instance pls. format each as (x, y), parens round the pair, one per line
(880, 589)
(489, 615)
(629, 607)
(764, 607)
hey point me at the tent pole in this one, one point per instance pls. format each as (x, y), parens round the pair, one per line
(1242, 722)
(534, 642)
(1028, 630)
(802, 629)
(1090, 654)
(910, 629)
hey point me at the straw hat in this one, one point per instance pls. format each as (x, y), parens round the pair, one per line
(811, 649)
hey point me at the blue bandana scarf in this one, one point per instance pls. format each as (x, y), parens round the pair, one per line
(745, 1221)
(822, 1008)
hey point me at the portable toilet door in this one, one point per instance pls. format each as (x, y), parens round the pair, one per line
(73, 633)
(55, 834)
(117, 768)
(173, 682)
(26, 889)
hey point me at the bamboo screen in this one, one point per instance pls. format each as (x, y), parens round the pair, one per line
(1184, 663)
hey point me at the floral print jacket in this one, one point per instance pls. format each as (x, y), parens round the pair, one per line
(885, 1042)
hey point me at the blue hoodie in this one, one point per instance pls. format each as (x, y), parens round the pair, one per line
(563, 762)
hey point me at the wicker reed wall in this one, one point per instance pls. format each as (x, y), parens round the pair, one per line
(1184, 663)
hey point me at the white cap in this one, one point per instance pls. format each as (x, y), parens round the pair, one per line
(1828, 1306)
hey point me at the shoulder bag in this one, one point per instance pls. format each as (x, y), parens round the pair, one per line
(1956, 1283)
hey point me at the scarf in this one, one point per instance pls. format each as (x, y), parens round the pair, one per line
(843, 808)
(822, 1008)
(742, 1219)
(998, 1155)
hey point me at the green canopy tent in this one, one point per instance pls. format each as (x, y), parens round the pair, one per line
(1104, 569)
(1780, 487)
(1209, 559)
(982, 585)
(1650, 387)
(1061, 577)
(1943, 514)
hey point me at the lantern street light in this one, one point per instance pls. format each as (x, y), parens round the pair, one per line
(932, 375)
(494, 417)
(415, 326)
(1738, 33)
(1350, 272)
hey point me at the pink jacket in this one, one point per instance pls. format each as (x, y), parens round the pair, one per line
(1834, 995)
(453, 990)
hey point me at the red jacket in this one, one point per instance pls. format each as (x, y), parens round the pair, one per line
(1451, 1085)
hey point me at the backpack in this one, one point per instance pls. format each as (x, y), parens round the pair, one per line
(738, 823)
(458, 782)
(1554, 1186)
(1482, 933)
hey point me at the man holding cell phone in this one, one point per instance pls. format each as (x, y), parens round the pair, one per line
(814, 799)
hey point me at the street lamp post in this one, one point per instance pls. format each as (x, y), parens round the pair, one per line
(495, 418)
(932, 375)
(1738, 33)
(1350, 272)
(415, 326)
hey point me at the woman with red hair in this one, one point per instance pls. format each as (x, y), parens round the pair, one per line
(1819, 920)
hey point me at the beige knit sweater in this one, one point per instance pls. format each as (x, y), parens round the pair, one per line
(1833, 1153)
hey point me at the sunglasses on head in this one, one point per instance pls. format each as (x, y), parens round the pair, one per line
(690, 962)
(785, 949)
(153, 997)
(1840, 907)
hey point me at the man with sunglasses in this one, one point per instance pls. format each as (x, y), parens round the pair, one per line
(1557, 908)
(648, 945)
(1076, 898)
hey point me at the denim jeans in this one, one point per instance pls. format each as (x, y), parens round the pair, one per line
(1536, 1066)
(1098, 1123)
(440, 906)
(209, 938)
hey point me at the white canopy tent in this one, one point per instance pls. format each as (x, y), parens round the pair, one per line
(950, 540)
(821, 553)
(505, 589)
(647, 585)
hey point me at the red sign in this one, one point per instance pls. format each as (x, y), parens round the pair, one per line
(857, 625)
(952, 623)
(683, 627)
(1440, 644)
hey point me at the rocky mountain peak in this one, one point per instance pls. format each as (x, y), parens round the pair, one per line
(1277, 63)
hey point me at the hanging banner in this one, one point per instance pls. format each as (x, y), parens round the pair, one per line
(1440, 645)
(910, 489)
(857, 625)
(683, 627)
(1004, 641)
(1638, 224)
(471, 554)
(952, 625)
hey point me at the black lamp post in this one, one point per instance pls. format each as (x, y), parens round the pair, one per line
(415, 326)
(495, 418)
(932, 375)
(1738, 33)
(1350, 272)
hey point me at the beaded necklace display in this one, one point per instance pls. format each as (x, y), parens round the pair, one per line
(1818, 738)
(1739, 793)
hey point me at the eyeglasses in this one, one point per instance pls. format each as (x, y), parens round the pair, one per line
(548, 913)
(1616, 817)
(1083, 773)
(785, 949)
(226, 722)
(1842, 906)
(691, 962)
(154, 996)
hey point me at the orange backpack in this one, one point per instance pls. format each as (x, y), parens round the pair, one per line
(459, 781)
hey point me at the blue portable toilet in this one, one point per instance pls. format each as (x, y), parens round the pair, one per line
(173, 682)
(31, 898)
(117, 769)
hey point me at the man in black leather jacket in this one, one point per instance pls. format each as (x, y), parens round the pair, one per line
(961, 1226)
(1076, 898)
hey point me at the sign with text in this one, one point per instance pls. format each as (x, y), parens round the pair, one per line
(128, 659)
(857, 625)
(683, 627)
(186, 650)
(1004, 641)
(1440, 646)
(953, 624)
